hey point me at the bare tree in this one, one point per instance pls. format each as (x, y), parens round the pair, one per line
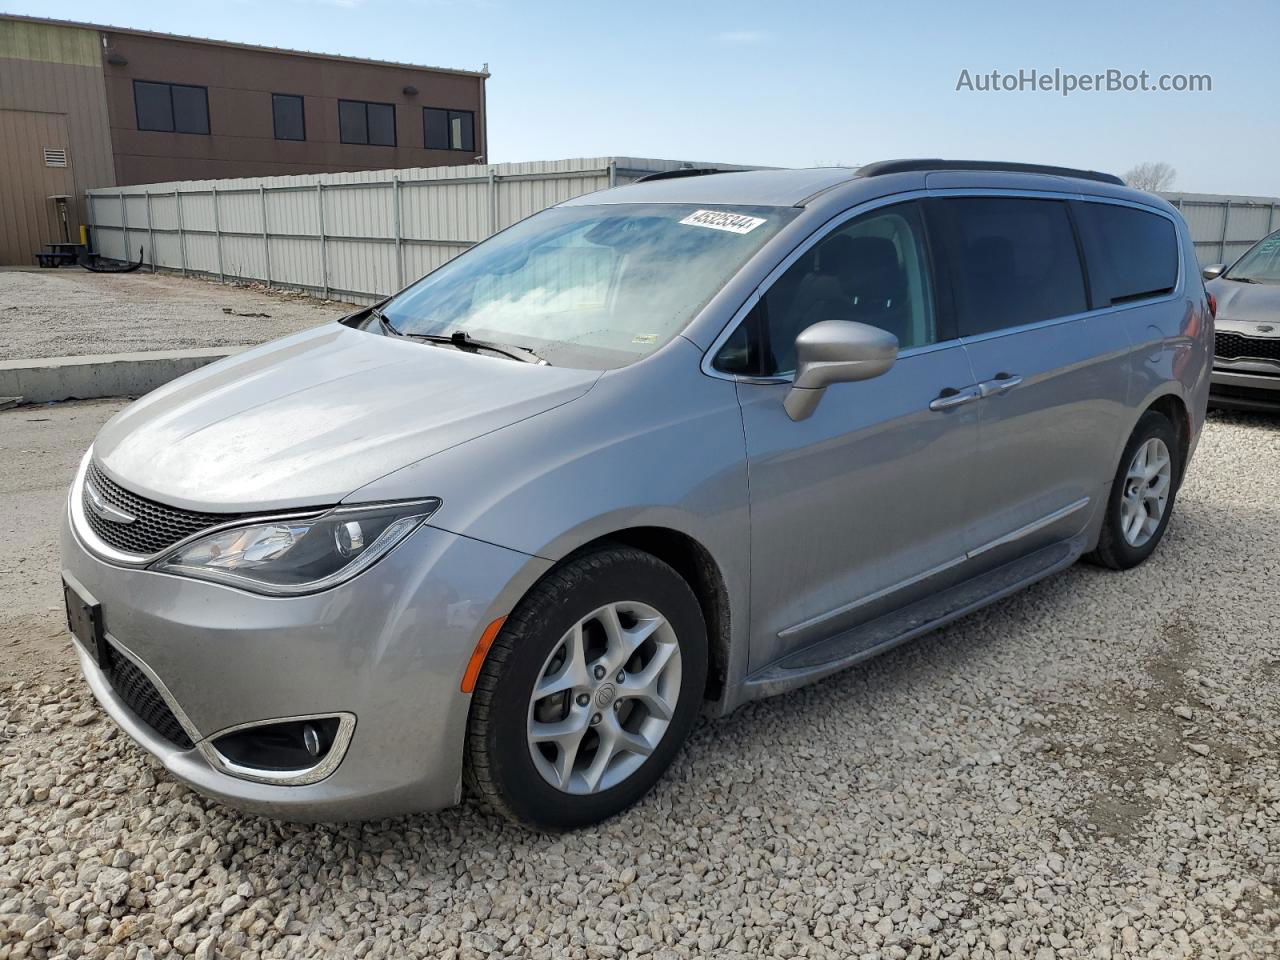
(1153, 175)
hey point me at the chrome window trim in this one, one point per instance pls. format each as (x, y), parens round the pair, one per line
(284, 778)
(820, 232)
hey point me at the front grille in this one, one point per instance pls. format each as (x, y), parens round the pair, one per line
(1236, 346)
(140, 695)
(155, 527)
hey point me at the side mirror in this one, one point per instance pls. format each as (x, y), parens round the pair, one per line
(836, 351)
(1213, 271)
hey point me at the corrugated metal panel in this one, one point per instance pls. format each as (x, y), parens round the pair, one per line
(441, 211)
(49, 43)
(336, 233)
(1223, 227)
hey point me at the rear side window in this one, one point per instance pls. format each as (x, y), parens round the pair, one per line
(1132, 254)
(1009, 261)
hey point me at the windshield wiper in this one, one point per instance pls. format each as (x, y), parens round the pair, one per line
(383, 322)
(463, 341)
(1244, 279)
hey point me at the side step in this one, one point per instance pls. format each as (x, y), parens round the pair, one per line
(866, 640)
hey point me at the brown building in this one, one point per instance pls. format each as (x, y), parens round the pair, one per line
(86, 106)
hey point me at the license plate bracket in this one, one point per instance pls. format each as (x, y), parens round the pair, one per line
(84, 620)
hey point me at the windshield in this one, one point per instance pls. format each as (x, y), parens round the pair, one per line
(590, 286)
(1261, 264)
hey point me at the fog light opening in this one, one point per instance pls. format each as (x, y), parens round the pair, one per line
(290, 745)
(312, 740)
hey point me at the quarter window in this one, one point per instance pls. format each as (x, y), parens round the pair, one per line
(1009, 260)
(448, 129)
(873, 269)
(1131, 254)
(290, 124)
(171, 107)
(371, 123)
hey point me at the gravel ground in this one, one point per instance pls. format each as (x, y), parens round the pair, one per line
(1088, 769)
(71, 312)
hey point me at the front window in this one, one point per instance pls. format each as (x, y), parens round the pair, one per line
(872, 269)
(589, 286)
(1261, 264)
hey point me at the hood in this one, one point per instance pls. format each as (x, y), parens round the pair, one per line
(306, 420)
(1252, 302)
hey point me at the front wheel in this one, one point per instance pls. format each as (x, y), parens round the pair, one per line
(1142, 495)
(588, 692)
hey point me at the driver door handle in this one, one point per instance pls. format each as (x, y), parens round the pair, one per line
(951, 397)
(1003, 383)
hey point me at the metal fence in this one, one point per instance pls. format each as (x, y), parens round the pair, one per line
(360, 236)
(351, 236)
(1223, 227)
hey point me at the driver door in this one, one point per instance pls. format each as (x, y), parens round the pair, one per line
(861, 507)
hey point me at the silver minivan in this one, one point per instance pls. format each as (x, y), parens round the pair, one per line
(654, 452)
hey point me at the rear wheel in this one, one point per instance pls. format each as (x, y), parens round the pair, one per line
(588, 692)
(1142, 495)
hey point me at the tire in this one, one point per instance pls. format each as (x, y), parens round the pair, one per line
(509, 768)
(1115, 549)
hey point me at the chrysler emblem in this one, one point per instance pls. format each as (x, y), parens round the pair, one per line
(105, 510)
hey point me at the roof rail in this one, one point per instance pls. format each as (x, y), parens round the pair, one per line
(884, 167)
(682, 172)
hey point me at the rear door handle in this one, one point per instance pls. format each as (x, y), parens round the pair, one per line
(951, 397)
(1003, 383)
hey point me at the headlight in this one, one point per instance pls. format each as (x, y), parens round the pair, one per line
(285, 557)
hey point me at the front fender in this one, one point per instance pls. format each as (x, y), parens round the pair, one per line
(657, 444)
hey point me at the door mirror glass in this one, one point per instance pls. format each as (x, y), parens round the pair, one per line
(836, 351)
(1213, 271)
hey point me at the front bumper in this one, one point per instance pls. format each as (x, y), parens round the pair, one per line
(1245, 389)
(387, 649)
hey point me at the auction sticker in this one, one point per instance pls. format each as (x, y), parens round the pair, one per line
(722, 220)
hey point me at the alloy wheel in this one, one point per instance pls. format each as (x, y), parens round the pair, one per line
(604, 698)
(1146, 492)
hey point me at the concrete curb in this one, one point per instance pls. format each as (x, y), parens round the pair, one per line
(46, 379)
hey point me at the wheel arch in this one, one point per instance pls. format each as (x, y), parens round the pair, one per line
(696, 565)
(1175, 410)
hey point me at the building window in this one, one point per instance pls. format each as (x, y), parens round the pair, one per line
(448, 129)
(171, 107)
(371, 123)
(286, 108)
